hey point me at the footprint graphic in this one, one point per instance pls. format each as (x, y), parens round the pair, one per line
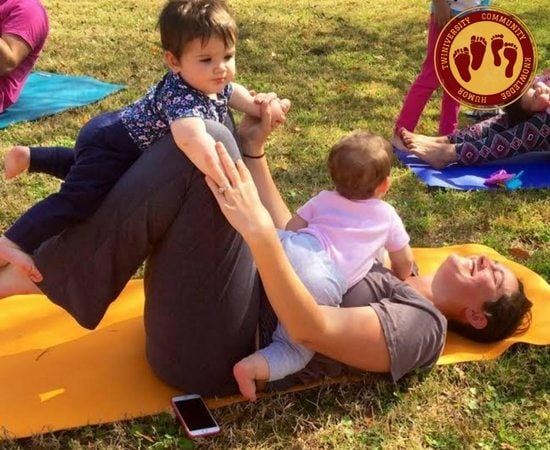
(497, 42)
(510, 54)
(461, 57)
(478, 45)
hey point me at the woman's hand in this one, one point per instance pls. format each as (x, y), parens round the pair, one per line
(254, 131)
(541, 97)
(239, 200)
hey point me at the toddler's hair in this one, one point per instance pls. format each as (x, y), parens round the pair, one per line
(358, 163)
(182, 21)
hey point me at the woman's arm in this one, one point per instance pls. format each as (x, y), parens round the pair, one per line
(253, 134)
(13, 50)
(351, 335)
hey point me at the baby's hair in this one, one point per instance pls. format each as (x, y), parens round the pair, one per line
(358, 163)
(182, 21)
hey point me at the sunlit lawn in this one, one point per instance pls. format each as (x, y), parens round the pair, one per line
(345, 64)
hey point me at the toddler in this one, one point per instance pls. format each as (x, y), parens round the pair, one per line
(198, 38)
(332, 243)
(426, 82)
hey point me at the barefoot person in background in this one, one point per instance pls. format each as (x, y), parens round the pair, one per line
(522, 128)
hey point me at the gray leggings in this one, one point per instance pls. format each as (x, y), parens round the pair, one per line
(324, 281)
(202, 293)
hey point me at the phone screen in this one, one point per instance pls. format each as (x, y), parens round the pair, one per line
(195, 414)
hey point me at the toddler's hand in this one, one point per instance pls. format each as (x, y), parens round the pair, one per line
(279, 108)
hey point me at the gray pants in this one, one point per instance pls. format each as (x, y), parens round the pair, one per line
(202, 292)
(325, 283)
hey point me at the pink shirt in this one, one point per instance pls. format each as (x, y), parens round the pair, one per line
(28, 20)
(353, 231)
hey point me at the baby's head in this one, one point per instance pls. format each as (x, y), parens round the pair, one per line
(182, 21)
(360, 164)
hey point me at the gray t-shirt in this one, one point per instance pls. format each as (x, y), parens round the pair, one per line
(414, 329)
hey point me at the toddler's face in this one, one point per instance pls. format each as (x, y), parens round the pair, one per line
(207, 66)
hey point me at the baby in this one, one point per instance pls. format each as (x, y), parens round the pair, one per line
(198, 37)
(332, 243)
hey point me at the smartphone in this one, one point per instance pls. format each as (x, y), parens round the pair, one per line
(194, 415)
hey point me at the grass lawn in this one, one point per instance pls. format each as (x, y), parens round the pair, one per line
(345, 64)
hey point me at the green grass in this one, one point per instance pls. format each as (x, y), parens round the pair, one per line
(345, 64)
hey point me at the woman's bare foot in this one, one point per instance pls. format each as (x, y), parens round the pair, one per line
(247, 371)
(411, 139)
(16, 161)
(436, 154)
(397, 142)
(12, 254)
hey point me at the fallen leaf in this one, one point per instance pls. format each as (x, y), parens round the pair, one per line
(520, 253)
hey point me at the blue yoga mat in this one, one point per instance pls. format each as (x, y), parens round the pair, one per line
(535, 167)
(45, 94)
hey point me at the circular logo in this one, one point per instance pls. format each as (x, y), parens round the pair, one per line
(485, 58)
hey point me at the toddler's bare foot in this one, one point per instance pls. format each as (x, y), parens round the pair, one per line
(10, 253)
(244, 374)
(249, 370)
(16, 161)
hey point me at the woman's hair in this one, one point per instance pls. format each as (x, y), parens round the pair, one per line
(515, 113)
(182, 21)
(509, 315)
(358, 163)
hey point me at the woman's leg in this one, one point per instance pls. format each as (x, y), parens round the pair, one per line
(423, 86)
(531, 135)
(480, 130)
(202, 296)
(202, 291)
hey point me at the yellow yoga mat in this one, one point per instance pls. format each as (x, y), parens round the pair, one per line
(56, 375)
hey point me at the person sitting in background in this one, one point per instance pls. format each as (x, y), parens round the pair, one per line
(24, 27)
(523, 128)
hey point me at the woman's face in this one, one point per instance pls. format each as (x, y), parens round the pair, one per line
(536, 99)
(472, 281)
